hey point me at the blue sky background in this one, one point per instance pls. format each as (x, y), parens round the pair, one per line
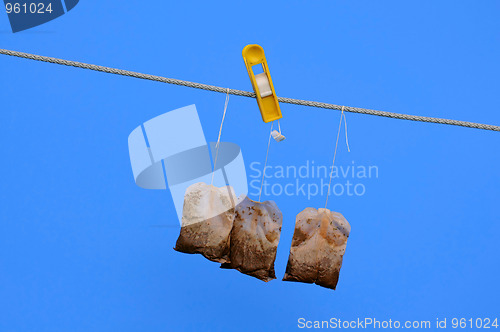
(79, 250)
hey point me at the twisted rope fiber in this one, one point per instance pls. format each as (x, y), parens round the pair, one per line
(247, 93)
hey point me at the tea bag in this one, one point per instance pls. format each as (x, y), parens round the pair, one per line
(207, 220)
(254, 238)
(318, 245)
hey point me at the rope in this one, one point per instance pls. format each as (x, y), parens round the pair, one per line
(334, 156)
(218, 139)
(265, 163)
(247, 93)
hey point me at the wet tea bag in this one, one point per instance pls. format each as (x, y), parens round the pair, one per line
(254, 238)
(318, 245)
(207, 220)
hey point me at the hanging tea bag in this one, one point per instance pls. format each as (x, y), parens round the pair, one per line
(254, 238)
(207, 220)
(318, 245)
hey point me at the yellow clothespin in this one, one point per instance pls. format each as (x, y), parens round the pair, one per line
(262, 83)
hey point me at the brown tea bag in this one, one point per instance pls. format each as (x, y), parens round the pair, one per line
(254, 238)
(318, 245)
(207, 220)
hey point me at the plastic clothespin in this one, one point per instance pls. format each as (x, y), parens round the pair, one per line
(262, 83)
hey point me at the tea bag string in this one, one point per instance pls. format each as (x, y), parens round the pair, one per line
(218, 138)
(265, 163)
(342, 115)
(345, 127)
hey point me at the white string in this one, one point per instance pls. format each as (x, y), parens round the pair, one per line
(218, 138)
(345, 125)
(265, 163)
(333, 163)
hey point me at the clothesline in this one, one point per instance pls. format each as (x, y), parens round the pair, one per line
(247, 93)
